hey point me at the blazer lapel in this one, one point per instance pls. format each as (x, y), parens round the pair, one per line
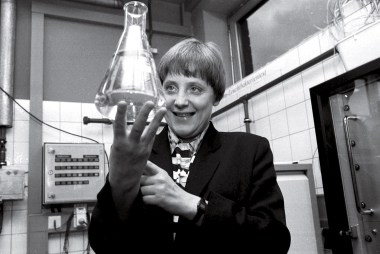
(206, 162)
(202, 169)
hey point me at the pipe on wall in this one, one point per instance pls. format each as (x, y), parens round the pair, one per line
(7, 62)
(105, 3)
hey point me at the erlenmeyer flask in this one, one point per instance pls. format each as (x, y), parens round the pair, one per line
(132, 75)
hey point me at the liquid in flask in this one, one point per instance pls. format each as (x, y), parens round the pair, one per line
(132, 75)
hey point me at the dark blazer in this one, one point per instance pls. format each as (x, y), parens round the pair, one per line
(235, 173)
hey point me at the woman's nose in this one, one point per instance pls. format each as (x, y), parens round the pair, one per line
(181, 100)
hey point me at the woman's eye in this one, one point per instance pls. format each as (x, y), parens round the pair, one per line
(195, 89)
(170, 88)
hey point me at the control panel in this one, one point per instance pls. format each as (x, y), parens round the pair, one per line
(73, 172)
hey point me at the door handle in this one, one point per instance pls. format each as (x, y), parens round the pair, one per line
(350, 143)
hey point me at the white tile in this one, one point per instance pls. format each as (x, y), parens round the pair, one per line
(5, 244)
(272, 74)
(19, 113)
(252, 128)
(93, 131)
(19, 222)
(76, 241)
(326, 39)
(276, 99)
(297, 118)
(234, 117)
(271, 144)
(74, 128)
(18, 205)
(89, 110)
(259, 83)
(71, 112)
(259, 106)
(333, 67)
(301, 147)
(21, 153)
(289, 60)
(273, 70)
(19, 244)
(243, 91)
(21, 131)
(217, 107)
(51, 111)
(217, 122)
(221, 125)
(50, 134)
(279, 124)
(309, 49)
(336, 31)
(293, 90)
(85, 241)
(262, 127)
(310, 117)
(54, 243)
(108, 132)
(281, 149)
(7, 223)
(312, 77)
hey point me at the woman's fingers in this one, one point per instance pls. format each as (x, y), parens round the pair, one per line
(151, 169)
(151, 130)
(119, 123)
(140, 122)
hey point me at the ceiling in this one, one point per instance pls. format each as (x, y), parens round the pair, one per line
(224, 7)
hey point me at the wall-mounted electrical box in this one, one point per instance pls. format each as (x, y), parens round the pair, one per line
(73, 172)
(11, 183)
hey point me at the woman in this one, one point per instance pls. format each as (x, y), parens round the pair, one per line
(190, 188)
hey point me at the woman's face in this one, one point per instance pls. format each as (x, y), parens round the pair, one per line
(189, 103)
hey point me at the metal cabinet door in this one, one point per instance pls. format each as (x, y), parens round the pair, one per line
(356, 117)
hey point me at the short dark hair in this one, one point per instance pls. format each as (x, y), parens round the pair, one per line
(193, 58)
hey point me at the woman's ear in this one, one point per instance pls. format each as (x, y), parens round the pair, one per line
(216, 103)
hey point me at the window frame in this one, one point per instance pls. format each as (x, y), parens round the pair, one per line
(239, 68)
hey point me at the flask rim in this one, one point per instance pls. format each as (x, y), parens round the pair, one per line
(143, 6)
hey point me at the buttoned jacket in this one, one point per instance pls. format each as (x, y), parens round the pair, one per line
(234, 172)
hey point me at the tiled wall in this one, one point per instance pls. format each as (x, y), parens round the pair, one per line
(283, 113)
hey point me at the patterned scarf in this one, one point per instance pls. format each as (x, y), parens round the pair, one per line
(183, 154)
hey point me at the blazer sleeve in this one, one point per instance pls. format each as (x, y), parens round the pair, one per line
(107, 233)
(259, 222)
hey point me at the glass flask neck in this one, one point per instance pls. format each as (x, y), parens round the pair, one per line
(135, 15)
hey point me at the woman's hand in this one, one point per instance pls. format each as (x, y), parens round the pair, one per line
(130, 152)
(159, 189)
